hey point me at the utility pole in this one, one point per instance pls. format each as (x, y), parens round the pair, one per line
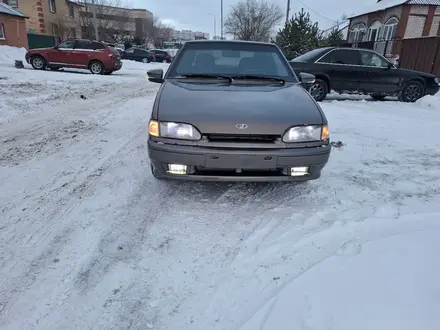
(215, 24)
(288, 11)
(95, 24)
(221, 19)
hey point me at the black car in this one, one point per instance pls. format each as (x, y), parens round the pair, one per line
(162, 55)
(235, 111)
(351, 70)
(139, 55)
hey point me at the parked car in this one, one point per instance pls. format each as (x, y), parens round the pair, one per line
(139, 55)
(351, 70)
(235, 111)
(162, 55)
(98, 57)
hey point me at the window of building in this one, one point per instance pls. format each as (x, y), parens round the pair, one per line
(71, 11)
(52, 6)
(12, 3)
(2, 32)
(390, 29)
(357, 32)
(374, 31)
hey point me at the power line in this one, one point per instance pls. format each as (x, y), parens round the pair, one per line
(315, 12)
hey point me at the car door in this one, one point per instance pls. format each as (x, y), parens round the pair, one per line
(61, 54)
(140, 54)
(81, 54)
(342, 66)
(379, 76)
(129, 54)
(159, 55)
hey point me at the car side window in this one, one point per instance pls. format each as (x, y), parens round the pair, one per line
(98, 46)
(129, 51)
(83, 44)
(66, 44)
(342, 56)
(373, 59)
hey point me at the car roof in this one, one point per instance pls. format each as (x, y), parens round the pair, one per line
(229, 41)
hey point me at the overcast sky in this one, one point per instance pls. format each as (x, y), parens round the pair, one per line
(194, 14)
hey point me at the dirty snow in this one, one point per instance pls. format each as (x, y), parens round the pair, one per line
(89, 240)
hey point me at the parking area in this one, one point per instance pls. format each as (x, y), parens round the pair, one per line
(89, 236)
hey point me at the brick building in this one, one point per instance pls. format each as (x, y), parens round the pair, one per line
(12, 27)
(59, 18)
(396, 19)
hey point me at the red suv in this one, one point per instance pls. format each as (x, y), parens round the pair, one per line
(98, 57)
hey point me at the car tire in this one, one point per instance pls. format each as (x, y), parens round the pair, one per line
(96, 67)
(319, 90)
(38, 62)
(378, 97)
(164, 61)
(412, 91)
(145, 60)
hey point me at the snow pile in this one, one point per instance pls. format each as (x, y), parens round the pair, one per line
(9, 54)
(429, 102)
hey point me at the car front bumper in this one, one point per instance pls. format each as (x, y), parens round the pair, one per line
(216, 164)
(432, 90)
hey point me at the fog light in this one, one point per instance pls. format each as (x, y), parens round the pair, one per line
(177, 169)
(299, 171)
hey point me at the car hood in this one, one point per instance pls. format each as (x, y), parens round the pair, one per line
(418, 73)
(218, 108)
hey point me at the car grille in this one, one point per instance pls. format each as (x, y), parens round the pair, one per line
(229, 138)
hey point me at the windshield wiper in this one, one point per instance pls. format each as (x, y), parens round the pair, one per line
(202, 75)
(252, 77)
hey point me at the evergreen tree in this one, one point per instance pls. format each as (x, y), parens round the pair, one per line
(299, 35)
(334, 38)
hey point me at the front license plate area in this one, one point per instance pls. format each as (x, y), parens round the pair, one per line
(241, 162)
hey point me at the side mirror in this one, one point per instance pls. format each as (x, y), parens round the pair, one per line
(306, 78)
(390, 66)
(55, 47)
(155, 76)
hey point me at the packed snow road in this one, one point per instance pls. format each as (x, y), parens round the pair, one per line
(90, 240)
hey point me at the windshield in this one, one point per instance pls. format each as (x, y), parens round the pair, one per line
(231, 59)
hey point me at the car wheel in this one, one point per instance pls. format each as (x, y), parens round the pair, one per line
(378, 97)
(319, 90)
(38, 63)
(145, 60)
(96, 67)
(164, 61)
(412, 91)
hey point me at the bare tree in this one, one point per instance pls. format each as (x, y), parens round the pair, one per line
(253, 20)
(158, 32)
(112, 20)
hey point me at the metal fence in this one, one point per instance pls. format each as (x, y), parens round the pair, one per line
(41, 41)
(421, 54)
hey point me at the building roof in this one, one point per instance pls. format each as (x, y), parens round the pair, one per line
(8, 10)
(385, 4)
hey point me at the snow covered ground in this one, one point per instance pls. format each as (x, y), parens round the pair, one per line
(89, 240)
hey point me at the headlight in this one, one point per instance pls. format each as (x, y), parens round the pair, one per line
(173, 130)
(306, 134)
